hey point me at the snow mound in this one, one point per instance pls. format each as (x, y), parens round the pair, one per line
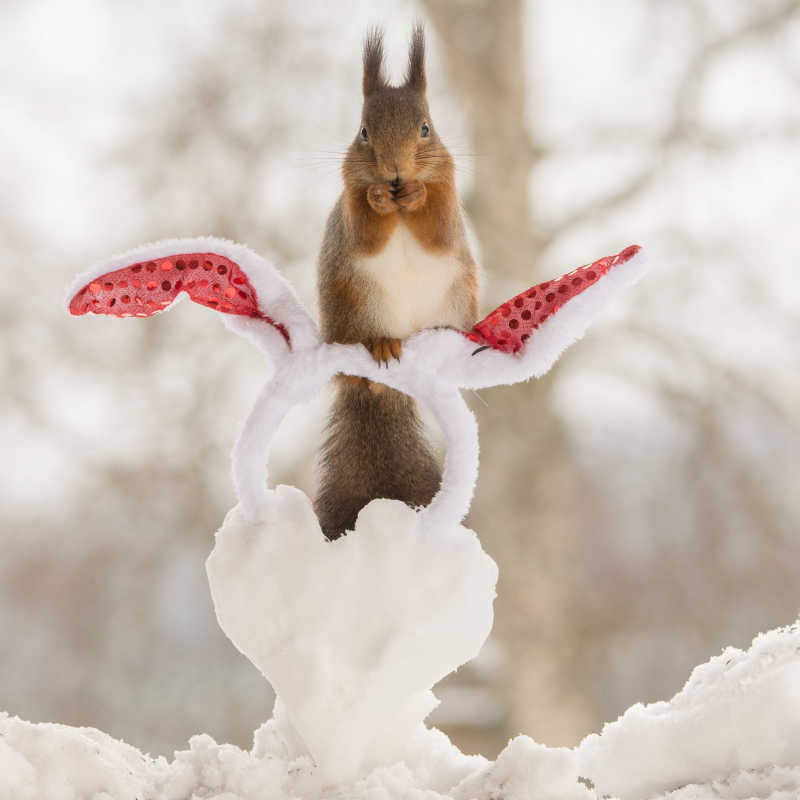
(56, 762)
(732, 733)
(738, 712)
(352, 634)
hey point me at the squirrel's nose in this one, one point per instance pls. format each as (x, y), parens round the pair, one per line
(395, 182)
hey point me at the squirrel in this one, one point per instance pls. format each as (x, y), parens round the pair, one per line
(394, 260)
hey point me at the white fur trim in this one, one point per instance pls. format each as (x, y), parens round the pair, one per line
(449, 354)
(435, 364)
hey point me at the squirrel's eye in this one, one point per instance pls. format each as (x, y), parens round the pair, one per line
(364, 134)
(426, 129)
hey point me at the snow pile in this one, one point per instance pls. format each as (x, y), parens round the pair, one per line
(739, 711)
(352, 634)
(56, 762)
(732, 733)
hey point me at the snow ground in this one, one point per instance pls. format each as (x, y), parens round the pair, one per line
(354, 633)
(732, 733)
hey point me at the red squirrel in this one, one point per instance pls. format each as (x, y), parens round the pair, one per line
(394, 260)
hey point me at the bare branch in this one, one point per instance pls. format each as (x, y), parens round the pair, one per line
(683, 129)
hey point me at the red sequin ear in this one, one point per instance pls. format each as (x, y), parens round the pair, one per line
(509, 326)
(147, 287)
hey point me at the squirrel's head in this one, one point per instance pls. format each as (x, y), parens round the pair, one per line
(396, 141)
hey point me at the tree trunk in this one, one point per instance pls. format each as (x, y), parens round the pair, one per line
(524, 507)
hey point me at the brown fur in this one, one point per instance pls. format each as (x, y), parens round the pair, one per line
(375, 446)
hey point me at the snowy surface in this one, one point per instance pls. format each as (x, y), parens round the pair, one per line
(354, 633)
(740, 711)
(733, 732)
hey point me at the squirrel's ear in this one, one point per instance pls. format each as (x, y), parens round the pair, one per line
(415, 77)
(373, 62)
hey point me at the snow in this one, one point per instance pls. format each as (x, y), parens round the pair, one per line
(732, 733)
(353, 634)
(739, 711)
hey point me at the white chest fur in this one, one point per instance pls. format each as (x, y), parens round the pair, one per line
(413, 287)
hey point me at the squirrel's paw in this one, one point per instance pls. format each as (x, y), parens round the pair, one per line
(357, 383)
(383, 348)
(411, 195)
(380, 199)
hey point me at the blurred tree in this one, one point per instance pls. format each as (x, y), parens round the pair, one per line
(532, 475)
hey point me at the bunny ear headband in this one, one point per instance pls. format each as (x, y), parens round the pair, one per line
(520, 339)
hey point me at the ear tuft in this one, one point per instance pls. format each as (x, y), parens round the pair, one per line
(415, 77)
(374, 79)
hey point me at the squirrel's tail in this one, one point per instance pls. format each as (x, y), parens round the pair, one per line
(375, 447)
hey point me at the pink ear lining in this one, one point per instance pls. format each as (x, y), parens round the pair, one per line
(510, 325)
(145, 288)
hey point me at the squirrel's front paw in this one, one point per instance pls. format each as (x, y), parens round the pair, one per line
(383, 348)
(411, 195)
(380, 199)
